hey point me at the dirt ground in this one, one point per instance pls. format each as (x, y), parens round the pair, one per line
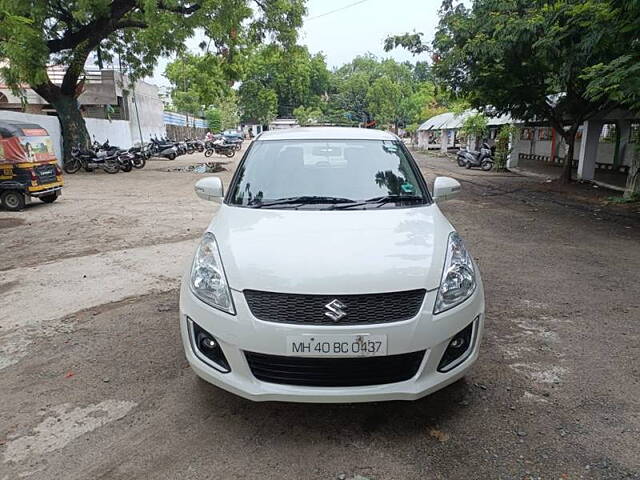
(94, 384)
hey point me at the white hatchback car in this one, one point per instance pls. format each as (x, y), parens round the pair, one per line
(329, 274)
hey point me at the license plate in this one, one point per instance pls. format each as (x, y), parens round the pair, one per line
(358, 345)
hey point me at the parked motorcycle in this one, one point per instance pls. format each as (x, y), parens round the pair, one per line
(140, 155)
(87, 159)
(483, 158)
(125, 159)
(220, 148)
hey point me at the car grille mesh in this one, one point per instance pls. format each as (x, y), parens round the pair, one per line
(311, 309)
(334, 372)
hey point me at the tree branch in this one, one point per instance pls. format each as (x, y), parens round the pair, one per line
(181, 10)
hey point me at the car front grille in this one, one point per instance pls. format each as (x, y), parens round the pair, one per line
(334, 372)
(312, 309)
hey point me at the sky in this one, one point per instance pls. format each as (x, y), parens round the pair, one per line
(343, 29)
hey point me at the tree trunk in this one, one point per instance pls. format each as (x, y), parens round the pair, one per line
(632, 189)
(570, 139)
(74, 128)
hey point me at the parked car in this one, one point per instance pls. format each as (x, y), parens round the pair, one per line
(329, 274)
(28, 166)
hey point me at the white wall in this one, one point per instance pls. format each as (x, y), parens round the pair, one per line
(116, 131)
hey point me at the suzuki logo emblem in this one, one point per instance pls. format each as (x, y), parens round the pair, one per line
(335, 310)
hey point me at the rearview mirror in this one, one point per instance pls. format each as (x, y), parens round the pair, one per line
(210, 188)
(445, 188)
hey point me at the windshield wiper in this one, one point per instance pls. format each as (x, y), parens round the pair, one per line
(382, 200)
(301, 200)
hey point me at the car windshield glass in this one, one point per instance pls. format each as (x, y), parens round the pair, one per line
(322, 174)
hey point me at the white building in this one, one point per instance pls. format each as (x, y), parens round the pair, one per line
(604, 144)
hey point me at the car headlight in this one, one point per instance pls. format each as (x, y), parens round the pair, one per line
(208, 281)
(458, 276)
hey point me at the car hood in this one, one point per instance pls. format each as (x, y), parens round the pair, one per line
(332, 252)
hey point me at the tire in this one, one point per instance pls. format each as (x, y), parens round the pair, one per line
(467, 165)
(139, 162)
(230, 152)
(486, 165)
(200, 148)
(461, 162)
(238, 146)
(72, 166)
(126, 165)
(111, 166)
(52, 197)
(12, 200)
(171, 156)
(208, 152)
(191, 151)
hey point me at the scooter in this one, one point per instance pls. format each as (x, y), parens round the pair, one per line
(483, 158)
(163, 149)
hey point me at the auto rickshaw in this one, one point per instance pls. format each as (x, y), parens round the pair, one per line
(28, 165)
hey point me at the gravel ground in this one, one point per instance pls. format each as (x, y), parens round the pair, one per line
(94, 384)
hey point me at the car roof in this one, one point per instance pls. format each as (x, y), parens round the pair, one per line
(326, 133)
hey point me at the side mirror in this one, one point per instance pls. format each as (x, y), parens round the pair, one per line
(445, 188)
(210, 188)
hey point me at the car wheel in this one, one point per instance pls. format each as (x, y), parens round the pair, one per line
(12, 200)
(52, 197)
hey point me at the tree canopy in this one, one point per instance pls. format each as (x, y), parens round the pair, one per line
(37, 34)
(536, 60)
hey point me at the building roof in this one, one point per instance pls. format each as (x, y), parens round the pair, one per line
(451, 121)
(327, 133)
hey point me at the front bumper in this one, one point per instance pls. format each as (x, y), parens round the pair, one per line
(243, 332)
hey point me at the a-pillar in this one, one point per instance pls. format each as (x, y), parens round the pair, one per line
(444, 140)
(589, 149)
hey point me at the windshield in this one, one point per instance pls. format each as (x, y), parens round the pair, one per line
(328, 174)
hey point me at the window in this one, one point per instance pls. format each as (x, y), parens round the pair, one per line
(544, 133)
(526, 133)
(355, 170)
(608, 133)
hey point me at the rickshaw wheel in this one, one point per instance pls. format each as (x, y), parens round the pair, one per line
(12, 200)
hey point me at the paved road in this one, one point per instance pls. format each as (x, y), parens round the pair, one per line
(94, 384)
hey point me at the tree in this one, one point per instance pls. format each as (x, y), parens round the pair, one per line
(224, 115)
(474, 126)
(34, 35)
(524, 58)
(619, 79)
(293, 74)
(307, 115)
(198, 82)
(257, 103)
